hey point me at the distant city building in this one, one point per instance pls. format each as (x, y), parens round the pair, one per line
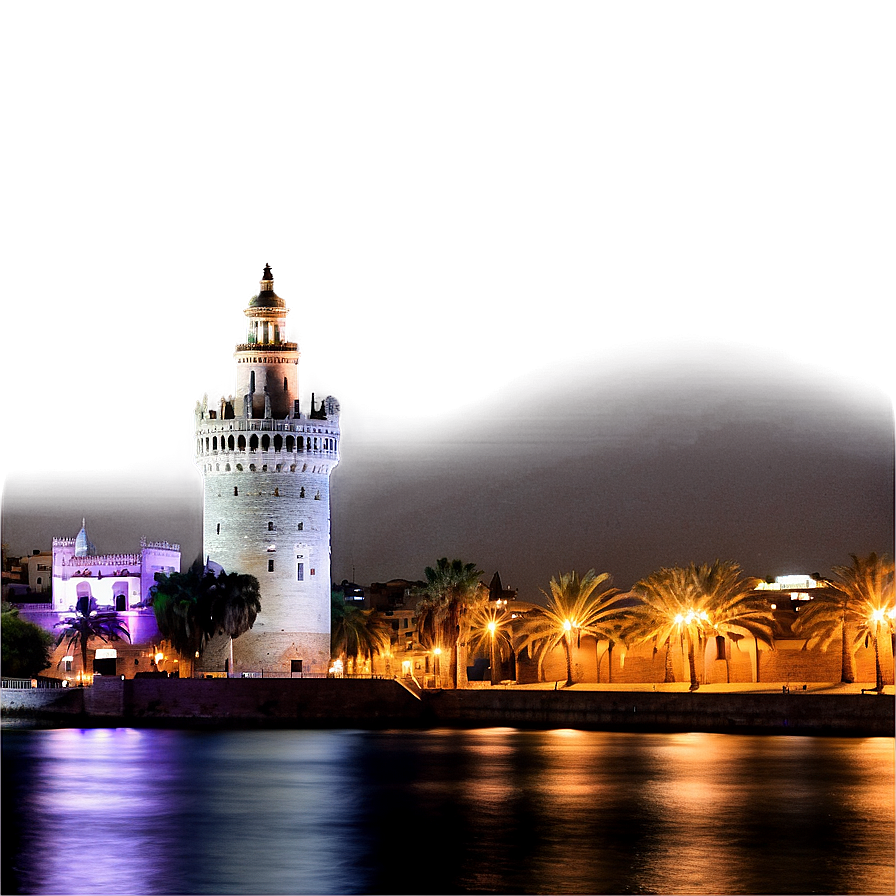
(266, 468)
(797, 587)
(37, 571)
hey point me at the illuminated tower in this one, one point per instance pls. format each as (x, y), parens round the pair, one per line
(266, 474)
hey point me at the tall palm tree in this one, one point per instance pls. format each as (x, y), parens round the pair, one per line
(688, 604)
(490, 630)
(89, 623)
(733, 605)
(451, 590)
(355, 633)
(193, 607)
(666, 597)
(235, 603)
(850, 607)
(575, 607)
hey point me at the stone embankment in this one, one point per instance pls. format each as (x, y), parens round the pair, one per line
(304, 703)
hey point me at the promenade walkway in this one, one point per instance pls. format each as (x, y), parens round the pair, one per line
(813, 687)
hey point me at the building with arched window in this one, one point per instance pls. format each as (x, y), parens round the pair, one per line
(117, 581)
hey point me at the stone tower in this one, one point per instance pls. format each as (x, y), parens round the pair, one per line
(266, 473)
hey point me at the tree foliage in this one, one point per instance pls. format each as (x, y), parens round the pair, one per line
(855, 605)
(489, 630)
(356, 633)
(89, 624)
(192, 607)
(451, 589)
(24, 647)
(576, 606)
(686, 605)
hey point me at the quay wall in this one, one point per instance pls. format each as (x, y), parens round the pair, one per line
(869, 714)
(219, 702)
(358, 702)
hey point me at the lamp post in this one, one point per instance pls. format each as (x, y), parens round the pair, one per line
(492, 626)
(877, 621)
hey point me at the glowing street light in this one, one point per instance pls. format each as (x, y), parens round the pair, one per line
(437, 654)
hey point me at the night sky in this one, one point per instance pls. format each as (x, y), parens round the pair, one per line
(599, 286)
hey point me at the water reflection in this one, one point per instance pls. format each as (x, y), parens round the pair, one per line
(497, 810)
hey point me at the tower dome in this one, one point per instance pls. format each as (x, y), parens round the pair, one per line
(84, 547)
(266, 297)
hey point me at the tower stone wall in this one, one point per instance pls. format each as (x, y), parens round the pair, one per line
(266, 474)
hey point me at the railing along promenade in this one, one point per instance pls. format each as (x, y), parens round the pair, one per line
(26, 684)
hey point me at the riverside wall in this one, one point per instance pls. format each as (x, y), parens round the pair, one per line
(300, 703)
(795, 713)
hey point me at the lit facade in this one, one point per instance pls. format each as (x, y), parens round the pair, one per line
(266, 468)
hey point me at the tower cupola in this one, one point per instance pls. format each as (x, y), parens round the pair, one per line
(266, 297)
(84, 547)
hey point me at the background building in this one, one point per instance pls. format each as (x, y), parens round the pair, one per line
(119, 582)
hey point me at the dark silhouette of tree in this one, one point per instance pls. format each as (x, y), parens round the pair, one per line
(88, 624)
(451, 589)
(192, 607)
(24, 646)
(356, 633)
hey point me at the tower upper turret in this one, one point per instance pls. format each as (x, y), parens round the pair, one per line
(266, 297)
(267, 314)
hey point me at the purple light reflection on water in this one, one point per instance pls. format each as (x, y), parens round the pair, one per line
(496, 810)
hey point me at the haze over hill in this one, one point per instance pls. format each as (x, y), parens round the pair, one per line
(780, 468)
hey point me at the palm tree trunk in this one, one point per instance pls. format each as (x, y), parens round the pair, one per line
(668, 671)
(84, 640)
(847, 662)
(566, 644)
(756, 651)
(692, 665)
(879, 683)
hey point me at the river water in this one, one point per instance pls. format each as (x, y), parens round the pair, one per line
(495, 810)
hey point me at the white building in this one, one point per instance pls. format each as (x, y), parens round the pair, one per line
(118, 581)
(266, 475)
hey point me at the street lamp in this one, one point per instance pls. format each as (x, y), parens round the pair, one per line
(492, 627)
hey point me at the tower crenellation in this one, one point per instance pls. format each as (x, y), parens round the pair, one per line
(266, 467)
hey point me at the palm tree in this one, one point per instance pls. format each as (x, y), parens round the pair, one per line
(666, 597)
(490, 629)
(356, 633)
(733, 605)
(89, 623)
(690, 604)
(192, 607)
(855, 605)
(575, 608)
(235, 603)
(451, 589)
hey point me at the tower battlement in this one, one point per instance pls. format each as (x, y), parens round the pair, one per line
(266, 512)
